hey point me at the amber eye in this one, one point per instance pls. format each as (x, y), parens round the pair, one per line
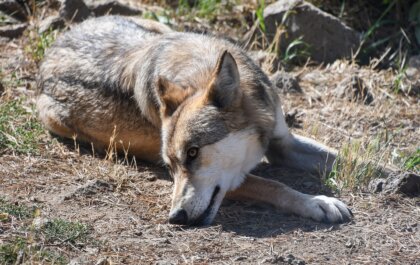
(192, 152)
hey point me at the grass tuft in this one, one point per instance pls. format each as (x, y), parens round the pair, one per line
(38, 43)
(357, 164)
(19, 211)
(412, 162)
(20, 251)
(19, 129)
(66, 232)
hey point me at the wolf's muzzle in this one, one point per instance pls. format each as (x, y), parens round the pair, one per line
(178, 217)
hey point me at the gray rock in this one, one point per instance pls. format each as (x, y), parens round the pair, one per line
(405, 183)
(329, 39)
(51, 23)
(285, 82)
(354, 89)
(14, 9)
(13, 31)
(411, 80)
(74, 10)
(114, 7)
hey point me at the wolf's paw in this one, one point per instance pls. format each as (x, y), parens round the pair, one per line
(329, 210)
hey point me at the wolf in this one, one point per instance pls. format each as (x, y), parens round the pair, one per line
(196, 103)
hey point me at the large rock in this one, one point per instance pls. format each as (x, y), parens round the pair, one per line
(329, 39)
(74, 10)
(114, 7)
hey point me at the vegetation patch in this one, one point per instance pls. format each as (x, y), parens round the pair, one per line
(21, 212)
(38, 43)
(357, 164)
(22, 251)
(62, 231)
(412, 162)
(19, 128)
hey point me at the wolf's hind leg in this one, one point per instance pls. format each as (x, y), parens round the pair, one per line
(52, 115)
(320, 208)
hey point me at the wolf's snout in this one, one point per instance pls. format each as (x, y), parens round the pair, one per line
(178, 217)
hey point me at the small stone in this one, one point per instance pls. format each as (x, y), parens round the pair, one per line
(51, 23)
(354, 89)
(293, 120)
(74, 10)
(285, 82)
(103, 261)
(151, 178)
(349, 244)
(240, 258)
(114, 7)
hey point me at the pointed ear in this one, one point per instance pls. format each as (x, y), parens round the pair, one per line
(224, 89)
(170, 96)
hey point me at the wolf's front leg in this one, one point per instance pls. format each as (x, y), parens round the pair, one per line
(320, 208)
(302, 153)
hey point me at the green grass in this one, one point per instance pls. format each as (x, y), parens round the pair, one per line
(19, 211)
(19, 129)
(412, 162)
(260, 14)
(202, 8)
(20, 250)
(28, 247)
(38, 43)
(62, 231)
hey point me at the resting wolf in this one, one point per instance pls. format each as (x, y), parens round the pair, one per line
(195, 102)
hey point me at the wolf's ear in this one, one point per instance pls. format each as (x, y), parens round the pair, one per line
(170, 96)
(224, 89)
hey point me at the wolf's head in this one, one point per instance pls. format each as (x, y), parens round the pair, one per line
(208, 142)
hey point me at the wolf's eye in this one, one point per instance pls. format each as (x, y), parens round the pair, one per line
(192, 152)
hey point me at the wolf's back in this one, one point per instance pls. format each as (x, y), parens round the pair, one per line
(91, 53)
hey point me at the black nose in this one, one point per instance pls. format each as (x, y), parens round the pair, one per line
(178, 217)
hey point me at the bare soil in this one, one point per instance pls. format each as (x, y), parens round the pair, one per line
(125, 204)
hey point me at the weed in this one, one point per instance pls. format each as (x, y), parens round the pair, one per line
(19, 128)
(19, 211)
(260, 14)
(200, 8)
(412, 162)
(62, 231)
(297, 50)
(9, 253)
(38, 43)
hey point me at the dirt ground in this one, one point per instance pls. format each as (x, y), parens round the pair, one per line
(125, 203)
